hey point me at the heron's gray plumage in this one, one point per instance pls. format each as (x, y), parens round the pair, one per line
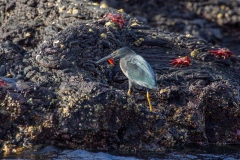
(134, 67)
(138, 71)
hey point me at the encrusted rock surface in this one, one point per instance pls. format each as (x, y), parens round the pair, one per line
(216, 21)
(53, 92)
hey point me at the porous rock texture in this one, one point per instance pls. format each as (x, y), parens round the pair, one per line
(53, 92)
(216, 21)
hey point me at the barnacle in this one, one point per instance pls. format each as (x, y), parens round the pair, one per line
(194, 53)
(139, 41)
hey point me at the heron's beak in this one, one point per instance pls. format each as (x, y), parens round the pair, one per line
(115, 54)
(104, 59)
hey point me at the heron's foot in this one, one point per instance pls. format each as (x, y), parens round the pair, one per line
(129, 92)
(149, 101)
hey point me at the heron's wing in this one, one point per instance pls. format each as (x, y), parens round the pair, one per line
(140, 72)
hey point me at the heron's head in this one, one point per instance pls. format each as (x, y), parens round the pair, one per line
(121, 52)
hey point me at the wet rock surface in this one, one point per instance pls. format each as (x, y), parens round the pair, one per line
(53, 92)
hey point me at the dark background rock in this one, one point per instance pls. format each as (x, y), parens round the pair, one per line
(53, 92)
(215, 21)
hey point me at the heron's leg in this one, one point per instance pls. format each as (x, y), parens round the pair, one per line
(129, 87)
(149, 101)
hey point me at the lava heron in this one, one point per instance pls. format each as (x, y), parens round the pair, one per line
(135, 68)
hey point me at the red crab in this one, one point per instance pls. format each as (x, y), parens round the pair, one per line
(221, 52)
(181, 61)
(3, 83)
(111, 61)
(116, 18)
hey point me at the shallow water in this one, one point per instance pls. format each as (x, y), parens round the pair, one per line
(228, 152)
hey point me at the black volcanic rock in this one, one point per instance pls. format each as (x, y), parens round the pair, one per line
(53, 92)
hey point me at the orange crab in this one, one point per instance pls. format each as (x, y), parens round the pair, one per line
(181, 61)
(221, 52)
(116, 18)
(111, 61)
